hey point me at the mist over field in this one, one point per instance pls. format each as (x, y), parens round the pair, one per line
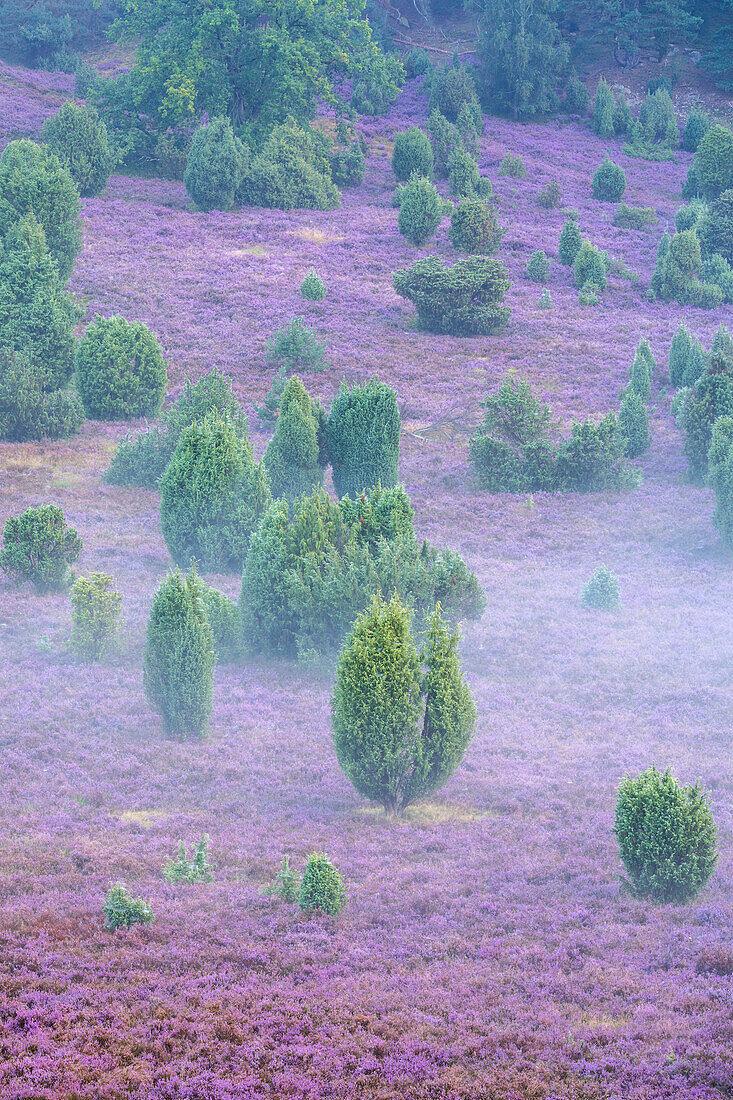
(488, 948)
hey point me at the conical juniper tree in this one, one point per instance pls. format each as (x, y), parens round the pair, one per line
(295, 456)
(402, 719)
(179, 657)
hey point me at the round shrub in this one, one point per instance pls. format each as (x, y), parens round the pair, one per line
(39, 547)
(696, 127)
(122, 910)
(313, 287)
(120, 370)
(363, 438)
(685, 251)
(538, 267)
(713, 162)
(95, 612)
(413, 154)
(79, 138)
(570, 242)
(589, 267)
(37, 315)
(214, 166)
(179, 658)
(463, 173)
(294, 458)
(474, 228)
(295, 347)
(33, 181)
(212, 495)
(609, 182)
(666, 837)
(322, 887)
(602, 591)
(291, 170)
(633, 421)
(399, 731)
(421, 210)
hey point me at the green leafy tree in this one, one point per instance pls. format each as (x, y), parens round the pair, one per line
(95, 613)
(33, 181)
(212, 495)
(322, 887)
(79, 138)
(399, 731)
(39, 546)
(363, 437)
(462, 300)
(630, 28)
(666, 837)
(450, 89)
(179, 658)
(412, 153)
(421, 210)
(718, 58)
(214, 166)
(522, 56)
(120, 370)
(37, 315)
(295, 456)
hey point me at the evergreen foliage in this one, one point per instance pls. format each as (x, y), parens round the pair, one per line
(33, 181)
(602, 591)
(538, 267)
(39, 547)
(179, 658)
(603, 108)
(215, 165)
(696, 127)
(444, 139)
(666, 837)
(720, 475)
(295, 455)
(609, 182)
(79, 138)
(715, 228)
(291, 170)
(686, 358)
(570, 242)
(197, 869)
(212, 495)
(550, 197)
(421, 210)
(225, 622)
(313, 289)
(363, 437)
(710, 396)
(713, 169)
(634, 217)
(633, 419)
(121, 910)
(589, 266)
(399, 731)
(642, 370)
(27, 410)
(462, 300)
(322, 887)
(295, 347)
(120, 370)
(95, 613)
(348, 165)
(452, 88)
(474, 228)
(285, 885)
(412, 155)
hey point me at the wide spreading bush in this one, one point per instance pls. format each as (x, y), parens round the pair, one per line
(462, 300)
(421, 210)
(120, 370)
(720, 476)
(291, 170)
(634, 217)
(602, 591)
(402, 718)
(37, 315)
(78, 137)
(179, 658)
(95, 613)
(215, 165)
(28, 410)
(363, 437)
(296, 454)
(711, 396)
(570, 242)
(322, 887)
(713, 168)
(666, 837)
(310, 571)
(38, 546)
(212, 495)
(474, 228)
(33, 181)
(412, 155)
(609, 182)
(140, 460)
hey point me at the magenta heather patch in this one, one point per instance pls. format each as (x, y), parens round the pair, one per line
(486, 949)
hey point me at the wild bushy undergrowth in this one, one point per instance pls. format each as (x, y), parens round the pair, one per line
(312, 569)
(121, 910)
(120, 370)
(95, 613)
(38, 546)
(666, 837)
(463, 300)
(362, 437)
(402, 718)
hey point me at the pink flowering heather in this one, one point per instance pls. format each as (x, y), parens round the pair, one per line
(486, 950)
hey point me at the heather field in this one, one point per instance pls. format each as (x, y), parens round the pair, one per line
(486, 951)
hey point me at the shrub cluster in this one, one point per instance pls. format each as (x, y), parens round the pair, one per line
(710, 397)
(421, 210)
(720, 475)
(197, 869)
(291, 170)
(310, 571)
(634, 217)
(550, 197)
(512, 166)
(412, 155)
(451, 90)
(462, 300)
(474, 228)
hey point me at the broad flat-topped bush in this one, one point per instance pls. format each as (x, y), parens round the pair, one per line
(462, 300)
(212, 495)
(311, 570)
(363, 437)
(402, 718)
(179, 658)
(120, 370)
(666, 837)
(78, 137)
(39, 546)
